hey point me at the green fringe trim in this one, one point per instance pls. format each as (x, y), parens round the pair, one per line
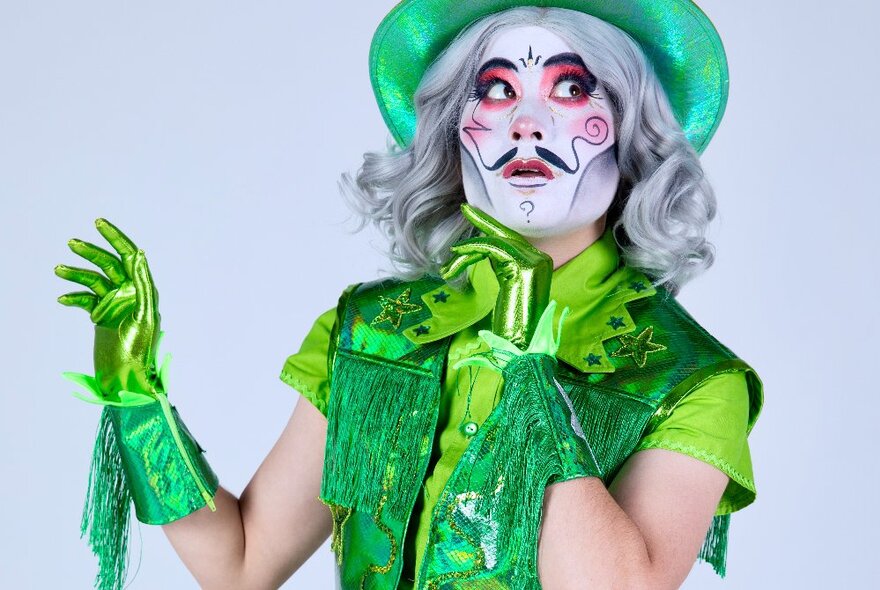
(377, 435)
(714, 550)
(106, 514)
(612, 423)
(529, 463)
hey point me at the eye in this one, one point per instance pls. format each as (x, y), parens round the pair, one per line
(567, 89)
(500, 91)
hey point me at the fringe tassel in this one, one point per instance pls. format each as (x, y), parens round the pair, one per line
(714, 550)
(377, 435)
(612, 424)
(529, 463)
(106, 514)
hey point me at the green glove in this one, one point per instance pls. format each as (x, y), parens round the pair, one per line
(523, 273)
(143, 453)
(522, 342)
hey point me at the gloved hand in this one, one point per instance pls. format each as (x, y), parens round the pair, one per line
(143, 453)
(124, 307)
(523, 273)
(521, 340)
(529, 379)
(532, 439)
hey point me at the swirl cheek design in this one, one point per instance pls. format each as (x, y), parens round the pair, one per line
(597, 130)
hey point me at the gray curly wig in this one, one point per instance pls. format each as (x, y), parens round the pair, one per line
(664, 203)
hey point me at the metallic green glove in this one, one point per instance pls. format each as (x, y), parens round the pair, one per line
(144, 451)
(124, 307)
(523, 273)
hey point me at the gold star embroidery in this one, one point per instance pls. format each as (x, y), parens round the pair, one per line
(638, 347)
(393, 310)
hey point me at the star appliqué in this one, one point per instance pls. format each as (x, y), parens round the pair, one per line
(637, 286)
(422, 330)
(441, 297)
(393, 310)
(593, 359)
(616, 322)
(638, 347)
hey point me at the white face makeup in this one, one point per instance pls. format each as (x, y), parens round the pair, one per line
(537, 136)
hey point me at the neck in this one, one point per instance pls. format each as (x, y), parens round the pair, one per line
(564, 247)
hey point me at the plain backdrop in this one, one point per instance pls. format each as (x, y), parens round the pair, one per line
(214, 133)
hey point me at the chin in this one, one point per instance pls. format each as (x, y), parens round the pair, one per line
(540, 224)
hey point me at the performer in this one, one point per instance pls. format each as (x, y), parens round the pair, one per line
(525, 404)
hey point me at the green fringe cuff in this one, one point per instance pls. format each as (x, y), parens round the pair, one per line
(106, 514)
(143, 454)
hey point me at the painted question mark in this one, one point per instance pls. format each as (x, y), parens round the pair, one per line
(528, 207)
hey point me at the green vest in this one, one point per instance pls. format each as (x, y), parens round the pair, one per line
(383, 412)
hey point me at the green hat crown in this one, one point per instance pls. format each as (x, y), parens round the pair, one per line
(676, 36)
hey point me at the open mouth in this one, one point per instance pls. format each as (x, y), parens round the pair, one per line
(531, 170)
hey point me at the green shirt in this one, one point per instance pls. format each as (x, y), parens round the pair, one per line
(710, 423)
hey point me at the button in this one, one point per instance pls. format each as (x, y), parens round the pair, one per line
(470, 428)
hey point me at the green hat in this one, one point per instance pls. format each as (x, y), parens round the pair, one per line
(676, 36)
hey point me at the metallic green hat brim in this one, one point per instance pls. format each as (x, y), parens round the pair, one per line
(676, 36)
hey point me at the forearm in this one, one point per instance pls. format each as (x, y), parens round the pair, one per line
(258, 541)
(212, 544)
(588, 541)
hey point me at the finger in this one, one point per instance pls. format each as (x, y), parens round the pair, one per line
(145, 291)
(88, 278)
(502, 250)
(82, 299)
(120, 242)
(493, 248)
(458, 264)
(101, 258)
(488, 224)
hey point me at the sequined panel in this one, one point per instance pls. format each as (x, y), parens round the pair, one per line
(464, 547)
(683, 347)
(163, 489)
(382, 309)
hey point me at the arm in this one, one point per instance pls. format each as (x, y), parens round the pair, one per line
(644, 531)
(144, 453)
(260, 540)
(659, 506)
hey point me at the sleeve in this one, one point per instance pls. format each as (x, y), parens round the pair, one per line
(711, 424)
(307, 371)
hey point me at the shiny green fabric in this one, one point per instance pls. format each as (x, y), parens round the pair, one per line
(677, 37)
(165, 472)
(599, 291)
(161, 483)
(523, 274)
(143, 452)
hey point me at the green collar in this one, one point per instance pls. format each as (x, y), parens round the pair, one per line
(594, 285)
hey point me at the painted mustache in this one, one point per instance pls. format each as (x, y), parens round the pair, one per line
(554, 159)
(507, 157)
(543, 153)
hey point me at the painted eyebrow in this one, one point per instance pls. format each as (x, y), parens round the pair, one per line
(497, 62)
(570, 59)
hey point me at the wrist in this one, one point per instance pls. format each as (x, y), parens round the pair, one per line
(165, 470)
(125, 363)
(576, 457)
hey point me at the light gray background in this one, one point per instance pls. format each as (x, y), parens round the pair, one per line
(214, 133)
